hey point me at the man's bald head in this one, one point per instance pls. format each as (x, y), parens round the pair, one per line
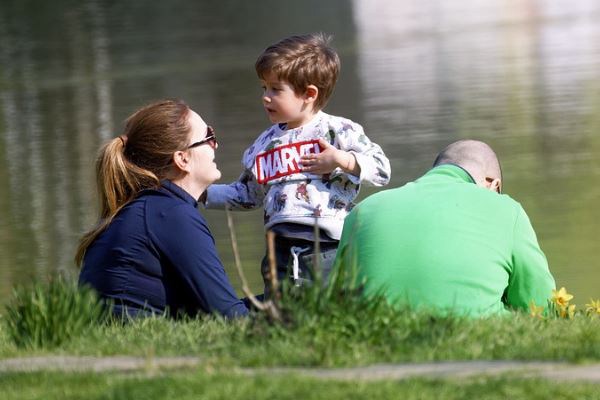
(477, 158)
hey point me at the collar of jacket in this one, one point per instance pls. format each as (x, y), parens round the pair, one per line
(451, 170)
(178, 191)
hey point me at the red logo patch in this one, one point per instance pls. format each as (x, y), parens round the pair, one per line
(283, 160)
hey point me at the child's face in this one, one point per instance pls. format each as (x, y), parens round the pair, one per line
(283, 105)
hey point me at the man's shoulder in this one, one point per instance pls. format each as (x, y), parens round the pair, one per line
(501, 200)
(380, 198)
(514, 205)
(413, 190)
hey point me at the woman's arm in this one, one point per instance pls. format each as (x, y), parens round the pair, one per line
(185, 240)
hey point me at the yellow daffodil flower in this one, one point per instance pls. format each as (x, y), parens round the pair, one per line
(561, 298)
(567, 311)
(593, 307)
(535, 311)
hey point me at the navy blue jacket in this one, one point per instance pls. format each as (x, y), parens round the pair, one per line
(158, 253)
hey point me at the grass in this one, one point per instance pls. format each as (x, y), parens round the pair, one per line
(47, 315)
(320, 328)
(201, 384)
(314, 327)
(411, 337)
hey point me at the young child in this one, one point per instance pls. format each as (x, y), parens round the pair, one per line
(307, 168)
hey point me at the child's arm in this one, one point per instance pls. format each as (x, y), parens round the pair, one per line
(243, 194)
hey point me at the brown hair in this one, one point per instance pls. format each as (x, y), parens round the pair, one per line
(301, 61)
(137, 160)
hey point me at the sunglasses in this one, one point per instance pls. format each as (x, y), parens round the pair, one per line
(210, 138)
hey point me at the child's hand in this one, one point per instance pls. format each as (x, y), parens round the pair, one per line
(328, 160)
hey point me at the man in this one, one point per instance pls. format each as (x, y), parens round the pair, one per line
(449, 241)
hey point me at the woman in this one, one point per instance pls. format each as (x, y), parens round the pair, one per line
(152, 252)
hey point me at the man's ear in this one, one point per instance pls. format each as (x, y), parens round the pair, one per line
(494, 184)
(311, 94)
(181, 159)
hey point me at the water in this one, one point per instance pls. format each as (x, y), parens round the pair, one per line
(521, 75)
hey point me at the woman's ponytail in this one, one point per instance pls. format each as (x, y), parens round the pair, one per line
(118, 181)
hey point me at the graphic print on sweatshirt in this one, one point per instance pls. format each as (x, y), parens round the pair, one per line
(283, 160)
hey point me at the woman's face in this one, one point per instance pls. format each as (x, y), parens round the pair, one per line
(203, 169)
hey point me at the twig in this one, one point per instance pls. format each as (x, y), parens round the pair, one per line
(266, 306)
(238, 264)
(272, 265)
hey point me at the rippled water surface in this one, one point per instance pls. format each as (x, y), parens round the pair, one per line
(522, 75)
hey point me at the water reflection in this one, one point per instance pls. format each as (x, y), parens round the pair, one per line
(523, 75)
(71, 69)
(418, 74)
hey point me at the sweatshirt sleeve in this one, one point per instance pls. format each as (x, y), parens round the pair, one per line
(244, 194)
(374, 165)
(187, 242)
(530, 279)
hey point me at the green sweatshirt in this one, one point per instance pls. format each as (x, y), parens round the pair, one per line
(444, 243)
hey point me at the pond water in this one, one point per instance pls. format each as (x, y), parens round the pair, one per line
(522, 75)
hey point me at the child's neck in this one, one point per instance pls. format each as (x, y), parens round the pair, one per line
(305, 120)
